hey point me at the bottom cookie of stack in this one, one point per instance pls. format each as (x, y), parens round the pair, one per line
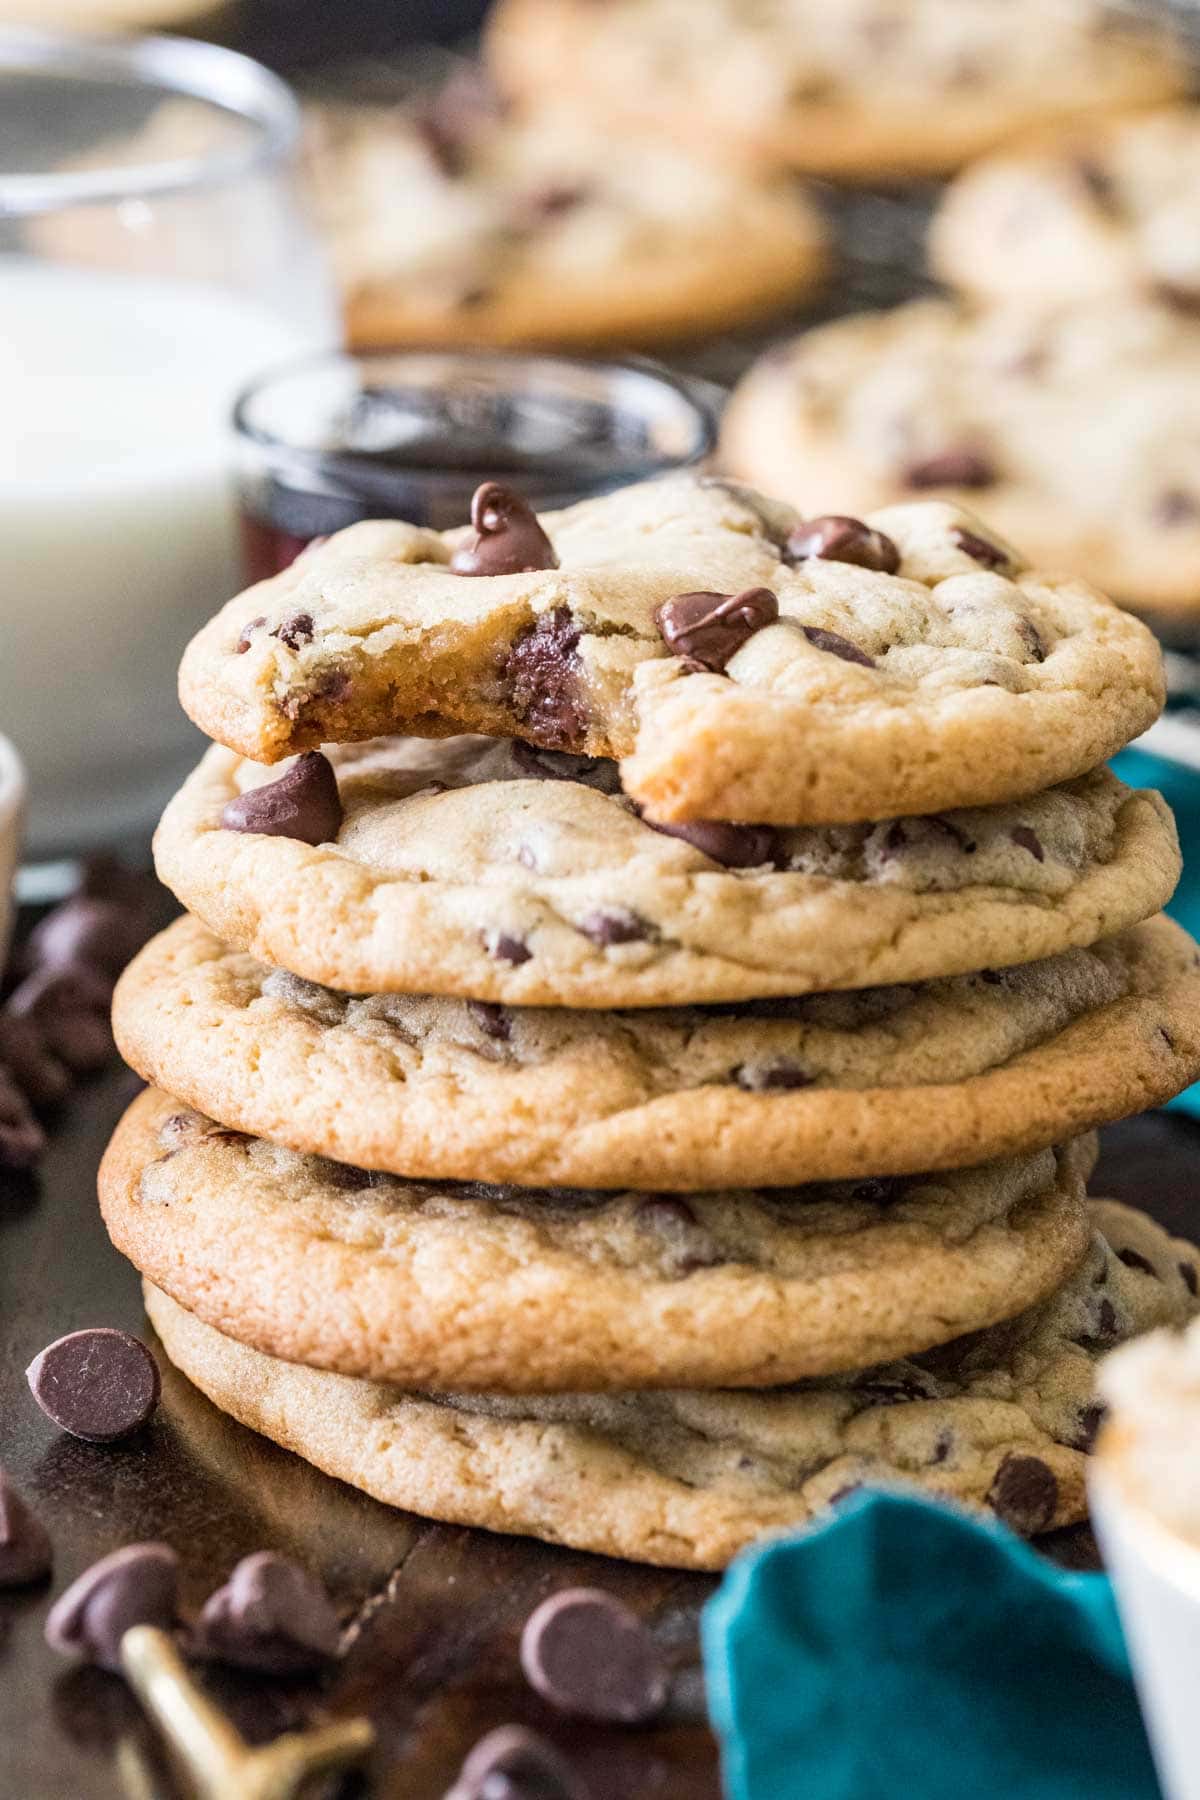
(1001, 1418)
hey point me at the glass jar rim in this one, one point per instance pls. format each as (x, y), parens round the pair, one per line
(183, 68)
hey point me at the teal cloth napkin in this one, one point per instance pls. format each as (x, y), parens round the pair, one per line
(1181, 789)
(904, 1649)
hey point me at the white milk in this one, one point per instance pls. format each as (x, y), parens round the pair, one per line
(117, 525)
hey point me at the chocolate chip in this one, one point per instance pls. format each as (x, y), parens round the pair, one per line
(557, 765)
(708, 629)
(963, 468)
(508, 538)
(99, 1384)
(943, 1444)
(1107, 1328)
(22, 1140)
(494, 1021)
(1027, 839)
(247, 635)
(734, 846)
(29, 1061)
(1031, 637)
(69, 1007)
(296, 631)
(1024, 1494)
(592, 1658)
(615, 925)
(1133, 1259)
(671, 1219)
(1176, 507)
(1090, 1420)
(892, 1390)
(303, 804)
(512, 1763)
(876, 1190)
(270, 1615)
(837, 645)
(138, 1585)
(1188, 1272)
(343, 1176)
(99, 933)
(541, 671)
(25, 1552)
(836, 538)
(507, 948)
(980, 550)
(757, 1078)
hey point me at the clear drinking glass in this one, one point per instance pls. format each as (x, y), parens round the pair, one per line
(154, 254)
(410, 435)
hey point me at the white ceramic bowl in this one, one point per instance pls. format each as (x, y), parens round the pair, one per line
(12, 814)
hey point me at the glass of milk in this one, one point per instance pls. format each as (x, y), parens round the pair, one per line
(154, 255)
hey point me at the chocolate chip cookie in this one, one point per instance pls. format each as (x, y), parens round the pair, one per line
(1105, 209)
(863, 89)
(481, 868)
(746, 664)
(829, 1087)
(1001, 1419)
(1071, 430)
(526, 1289)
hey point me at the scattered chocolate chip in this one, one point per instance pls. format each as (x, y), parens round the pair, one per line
(25, 1552)
(757, 1078)
(512, 1763)
(98, 933)
(734, 846)
(494, 1021)
(541, 671)
(32, 1066)
(615, 925)
(508, 538)
(507, 948)
(296, 631)
(963, 468)
(1090, 1420)
(672, 1220)
(270, 1615)
(1024, 1494)
(303, 804)
(22, 1140)
(592, 1658)
(836, 645)
(1027, 839)
(708, 629)
(980, 550)
(836, 538)
(1188, 1272)
(247, 634)
(99, 1384)
(69, 1007)
(138, 1585)
(1176, 507)
(1133, 1259)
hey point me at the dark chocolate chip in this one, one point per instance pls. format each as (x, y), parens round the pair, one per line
(1176, 507)
(247, 635)
(29, 1061)
(541, 671)
(99, 1384)
(99, 933)
(508, 538)
(512, 1763)
(1107, 1327)
(962, 468)
(892, 1390)
(979, 549)
(837, 645)
(734, 846)
(1133, 1259)
(1027, 839)
(708, 629)
(138, 1585)
(615, 925)
(876, 1190)
(22, 1140)
(25, 1552)
(69, 1007)
(943, 1445)
(507, 948)
(759, 1078)
(1188, 1272)
(691, 1244)
(537, 764)
(296, 631)
(1024, 1494)
(1032, 639)
(270, 1615)
(1090, 1420)
(835, 538)
(303, 804)
(494, 1021)
(592, 1658)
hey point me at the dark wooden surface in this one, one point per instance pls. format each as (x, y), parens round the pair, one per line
(435, 1611)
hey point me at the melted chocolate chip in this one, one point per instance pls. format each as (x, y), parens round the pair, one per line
(100, 1385)
(592, 1658)
(248, 630)
(505, 947)
(708, 629)
(734, 846)
(758, 1078)
(296, 631)
(1024, 1494)
(270, 1615)
(25, 1552)
(980, 550)
(615, 925)
(835, 538)
(962, 468)
(138, 1585)
(494, 1021)
(508, 539)
(836, 645)
(1027, 839)
(541, 671)
(1133, 1259)
(303, 804)
(537, 764)
(691, 1245)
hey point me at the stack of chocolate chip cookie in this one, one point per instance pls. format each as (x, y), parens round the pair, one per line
(644, 1119)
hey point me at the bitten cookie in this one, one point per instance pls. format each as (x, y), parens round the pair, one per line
(1071, 430)
(484, 869)
(525, 1290)
(1001, 1419)
(747, 665)
(828, 1087)
(860, 90)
